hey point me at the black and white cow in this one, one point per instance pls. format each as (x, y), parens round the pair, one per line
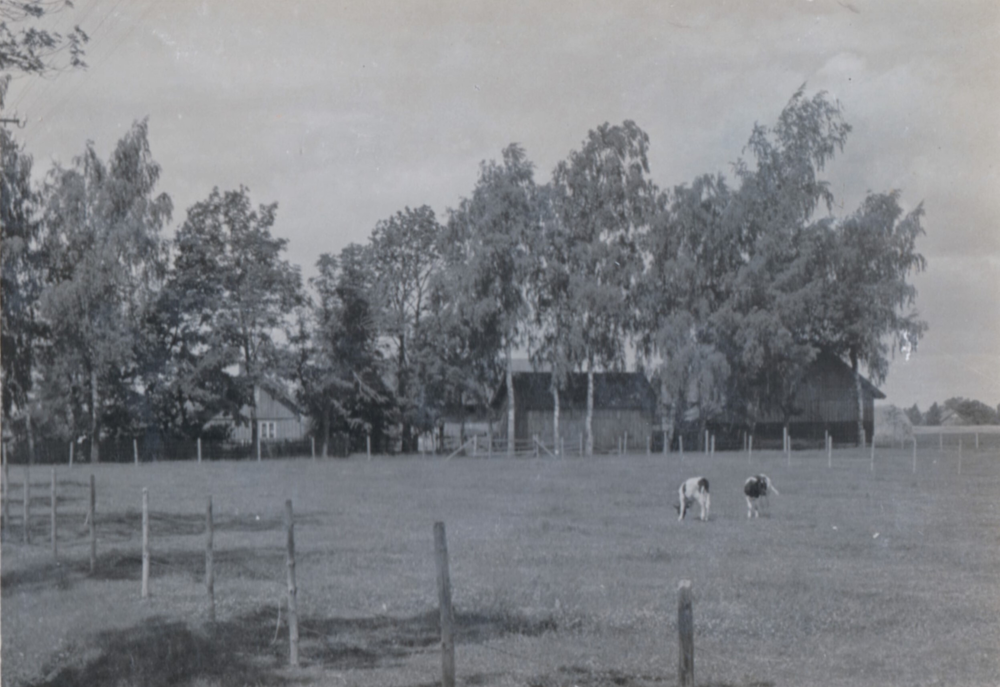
(755, 489)
(694, 489)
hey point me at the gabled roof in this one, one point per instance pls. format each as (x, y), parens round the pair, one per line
(612, 391)
(831, 360)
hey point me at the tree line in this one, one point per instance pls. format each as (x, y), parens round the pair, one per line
(955, 410)
(723, 290)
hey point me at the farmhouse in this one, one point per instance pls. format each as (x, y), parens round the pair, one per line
(277, 418)
(624, 402)
(827, 401)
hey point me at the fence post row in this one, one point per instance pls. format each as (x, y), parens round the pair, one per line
(293, 614)
(685, 631)
(444, 602)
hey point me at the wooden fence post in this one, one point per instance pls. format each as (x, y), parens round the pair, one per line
(977, 441)
(475, 446)
(27, 505)
(713, 445)
(625, 443)
(649, 444)
(749, 448)
(210, 560)
(706, 442)
(368, 445)
(680, 440)
(135, 449)
(829, 452)
(199, 450)
(71, 454)
(312, 447)
(293, 613)
(685, 631)
(914, 455)
(258, 445)
(444, 603)
(52, 499)
(145, 543)
(873, 455)
(940, 441)
(91, 516)
(666, 443)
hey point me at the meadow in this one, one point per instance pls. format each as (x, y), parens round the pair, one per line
(564, 572)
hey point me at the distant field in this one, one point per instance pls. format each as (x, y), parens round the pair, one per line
(564, 573)
(971, 430)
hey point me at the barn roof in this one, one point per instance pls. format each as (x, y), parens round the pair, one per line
(831, 361)
(612, 391)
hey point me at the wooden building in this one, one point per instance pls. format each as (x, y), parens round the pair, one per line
(827, 401)
(277, 418)
(624, 403)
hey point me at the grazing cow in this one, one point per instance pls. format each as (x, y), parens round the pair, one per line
(756, 488)
(694, 489)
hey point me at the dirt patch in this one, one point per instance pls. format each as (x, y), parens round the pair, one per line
(252, 650)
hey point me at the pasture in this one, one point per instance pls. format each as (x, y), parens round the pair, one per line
(564, 572)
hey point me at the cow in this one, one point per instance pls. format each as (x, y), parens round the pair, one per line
(694, 489)
(755, 489)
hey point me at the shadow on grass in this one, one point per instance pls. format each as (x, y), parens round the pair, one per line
(115, 565)
(248, 651)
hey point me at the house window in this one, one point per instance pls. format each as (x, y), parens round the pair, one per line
(268, 429)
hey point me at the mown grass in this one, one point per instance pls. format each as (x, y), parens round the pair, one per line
(564, 572)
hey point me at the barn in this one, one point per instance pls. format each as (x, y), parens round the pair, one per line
(624, 403)
(826, 401)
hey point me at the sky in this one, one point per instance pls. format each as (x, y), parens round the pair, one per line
(346, 112)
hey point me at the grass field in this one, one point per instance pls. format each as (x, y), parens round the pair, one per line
(564, 573)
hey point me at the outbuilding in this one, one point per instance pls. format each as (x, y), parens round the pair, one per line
(624, 406)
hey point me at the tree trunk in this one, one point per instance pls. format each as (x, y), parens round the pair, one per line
(254, 429)
(31, 437)
(555, 414)
(668, 416)
(589, 422)
(95, 422)
(861, 398)
(510, 403)
(401, 390)
(326, 432)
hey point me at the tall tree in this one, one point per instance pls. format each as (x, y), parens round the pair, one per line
(106, 260)
(603, 200)
(404, 257)
(489, 261)
(20, 280)
(692, 258)
(868, 305)
(343, 385)
(238, 290)
(777, 219)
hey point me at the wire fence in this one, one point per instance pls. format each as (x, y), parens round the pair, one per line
(153, 448)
